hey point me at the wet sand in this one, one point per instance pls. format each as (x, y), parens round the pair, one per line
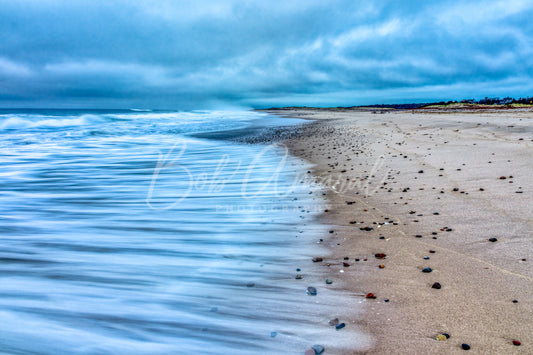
(428, 190)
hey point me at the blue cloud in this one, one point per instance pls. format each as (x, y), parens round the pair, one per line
(193, 54)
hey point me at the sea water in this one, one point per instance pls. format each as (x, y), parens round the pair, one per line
(130, 232)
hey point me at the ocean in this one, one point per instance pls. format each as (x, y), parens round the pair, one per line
(153, 232)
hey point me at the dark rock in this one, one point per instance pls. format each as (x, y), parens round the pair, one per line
(515, 301)
(426, 257)
(455, 189)
(273, 334)
(345, 264)
(298, 277)
(446, 335)
(432, 251)
(317, 259)
(380, 256)
(436, 285)
(311, 291)
(329, 281)
(493, 240)
(368, 229)
(340, 326)
(427, 269)
(386, 300)
(319, 349)
(465, 346)
(516, 342)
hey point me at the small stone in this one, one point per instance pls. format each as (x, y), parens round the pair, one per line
(503, 177)
(386, 300)
(367, 229)
(311, 291)
(345, 264)
(516, 342)
(515, 301)
(317, 259)
(436, 285)
(493, 240)
(319, 349)
(432, 251)
(441, 337)
(370, 296)
(427, 269)
(455, 189)
(465, 346)
(420, 171)
(381, 266)
(446, 335)
(273, 334)
(334, 321)
(298, 269)
(329, 281)
(331, 231)
(418, 235)
(340, 326)
(435, 213)
(380, 256)
(299, 277)
(426, 257)
(382, 237)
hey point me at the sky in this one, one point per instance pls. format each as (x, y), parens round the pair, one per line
(197, 54)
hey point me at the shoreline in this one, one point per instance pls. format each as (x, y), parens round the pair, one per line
(406, 208)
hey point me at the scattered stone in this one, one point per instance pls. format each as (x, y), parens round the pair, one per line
(418, 236)
(503, 177)
(381, 266)
(273, 334)
(426, 257)
(329, 281)
(386, 300)
(370, 296)
(368, 229)
(317, 259)
(380, 256)
(446, 335)
(432, 251)
(353, 222)
(427, 269)
(299, 277)
(436, 285)
(515, 301)
(516, 342)
(334, 321)
(455, 189)
(420, 171)
(331, 231)
(345, 264)
(311, 291)
(340, 326)
(319, 349)
(465, 346)
(493, 240)
(441, 337)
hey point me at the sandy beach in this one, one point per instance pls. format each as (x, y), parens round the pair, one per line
(431, 212)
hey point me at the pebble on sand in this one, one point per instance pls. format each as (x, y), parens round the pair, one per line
(340, 326)
(427, 269)
(334, 321)
(437, 286)
(319, 349)
(465, 346)
(317, 259)
(493, 239)
(380, 256)
(329, 281)
(516, 342)
(311, 291)
(370, 295)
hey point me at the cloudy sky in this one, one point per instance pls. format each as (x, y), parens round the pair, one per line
(189, 54)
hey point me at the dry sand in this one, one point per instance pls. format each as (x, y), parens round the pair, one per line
(403, 168)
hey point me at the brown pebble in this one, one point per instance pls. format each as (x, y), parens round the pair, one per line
(380, 256)
(345, 264)
(381, 266)
(317, 259)
(334, 321)
(370, 296)
(516, 342)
